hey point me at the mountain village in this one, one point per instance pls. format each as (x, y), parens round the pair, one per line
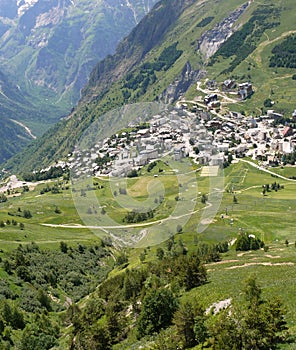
(199, 129)
(195, 129)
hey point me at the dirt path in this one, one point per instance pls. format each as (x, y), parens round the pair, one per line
(266, 170)
(224, 101)
(258, 52)
(157, 222)
(218, 92)
(248, 188)
(260, 263)
(28, 130)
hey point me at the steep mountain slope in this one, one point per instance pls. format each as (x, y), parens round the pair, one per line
(53, 45)
(14, 135)
(170, 49)
(48, 49)
(17, 135)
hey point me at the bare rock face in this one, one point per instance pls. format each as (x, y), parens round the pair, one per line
(208, 44)
(211, 40)
(175, 90)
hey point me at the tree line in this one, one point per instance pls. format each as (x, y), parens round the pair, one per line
(284, 54)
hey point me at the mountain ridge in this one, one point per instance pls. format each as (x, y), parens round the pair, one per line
(48, 49)
(133, 47)
(119, 79)
(47, 29)
(95, 99)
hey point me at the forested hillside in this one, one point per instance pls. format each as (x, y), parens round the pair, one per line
(284, 54)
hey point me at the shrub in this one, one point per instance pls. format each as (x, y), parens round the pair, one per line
(248, 242)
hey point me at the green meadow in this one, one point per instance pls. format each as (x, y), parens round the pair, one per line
(269, 216)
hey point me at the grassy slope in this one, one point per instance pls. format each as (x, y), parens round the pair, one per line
(271, 218)
(59, 141)
(254, 212)
(273, 221)
(276, 84)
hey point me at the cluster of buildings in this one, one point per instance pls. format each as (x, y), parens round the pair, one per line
(172, 135)
(263, 138)
(175, 134)
(260, 138)
(207, 138)
(271, 141)
(242, 91)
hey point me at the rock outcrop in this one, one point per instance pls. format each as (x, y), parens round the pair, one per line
(187, 77)
(212, 39)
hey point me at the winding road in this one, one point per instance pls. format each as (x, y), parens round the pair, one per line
(157, 222)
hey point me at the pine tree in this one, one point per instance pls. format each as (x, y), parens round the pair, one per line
(157, 311)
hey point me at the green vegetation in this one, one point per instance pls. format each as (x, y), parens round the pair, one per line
(48, 77)
(132, 173)
(3, 198)
(244, 41)
(205, 21)
(268, 103)
(139, 83)
(247, 242)
(52, 173)
(87, 291)
(138, 216)
(45, 281)
(11, 131)
(57, 271)
(157, 312)
(289, 158)
(147, 283)
(272, 83)
(70, 289)
(262, 323)
(284, 55)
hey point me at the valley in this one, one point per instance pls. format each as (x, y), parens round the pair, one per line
(47, 53)
(159, 213)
